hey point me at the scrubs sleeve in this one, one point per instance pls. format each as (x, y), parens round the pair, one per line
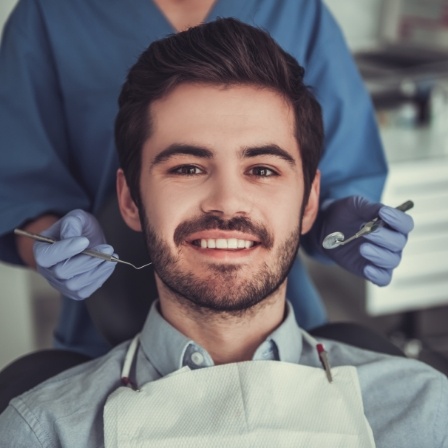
(353, 161)
(36, 174)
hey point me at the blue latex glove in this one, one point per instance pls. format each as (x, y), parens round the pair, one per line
(375, 255)
(74, 274)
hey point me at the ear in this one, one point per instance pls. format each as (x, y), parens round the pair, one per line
(312, 206)
(128, 208)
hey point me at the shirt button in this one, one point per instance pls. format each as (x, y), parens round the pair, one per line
(197, 358)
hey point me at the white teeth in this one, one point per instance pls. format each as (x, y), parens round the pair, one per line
(222, 243)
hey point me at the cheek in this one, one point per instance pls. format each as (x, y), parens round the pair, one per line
(166, 207)
(282, 207)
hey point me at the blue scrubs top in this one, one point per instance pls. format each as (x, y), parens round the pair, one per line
(62, 64)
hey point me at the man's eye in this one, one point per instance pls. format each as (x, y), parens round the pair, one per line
(262, 171)
(187, 170)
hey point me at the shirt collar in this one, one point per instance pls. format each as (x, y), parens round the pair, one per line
(287, 339)
(168, 349)
(162, 343)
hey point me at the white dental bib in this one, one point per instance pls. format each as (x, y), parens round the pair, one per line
(248, 404)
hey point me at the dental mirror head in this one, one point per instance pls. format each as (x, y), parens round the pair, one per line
(333, 240)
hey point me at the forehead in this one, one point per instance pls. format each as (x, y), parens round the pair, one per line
(224, 116)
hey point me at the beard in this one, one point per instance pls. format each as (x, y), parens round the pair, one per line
(228, 288)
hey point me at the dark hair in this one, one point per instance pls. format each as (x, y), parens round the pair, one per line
(223, 52)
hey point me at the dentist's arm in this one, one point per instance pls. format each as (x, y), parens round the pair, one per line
(25, 245)
(74, 274)
(373, 256)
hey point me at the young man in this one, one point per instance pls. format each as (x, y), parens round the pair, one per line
(219, 142)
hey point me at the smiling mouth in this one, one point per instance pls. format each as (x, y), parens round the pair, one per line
(224, 244)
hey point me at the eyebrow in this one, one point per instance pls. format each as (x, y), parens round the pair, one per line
(179, 149)
(204, 153)
(269, 150)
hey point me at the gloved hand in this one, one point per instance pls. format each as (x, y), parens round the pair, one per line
(74, 274)
(375, 255)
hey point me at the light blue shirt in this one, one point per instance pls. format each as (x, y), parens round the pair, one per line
(62, 64)
(405, 401)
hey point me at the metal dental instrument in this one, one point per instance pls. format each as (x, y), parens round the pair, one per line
(92, 253)
(337, 239)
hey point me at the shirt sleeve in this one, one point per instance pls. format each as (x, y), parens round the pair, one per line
(36, 176)
(441, 417)
(17, 433)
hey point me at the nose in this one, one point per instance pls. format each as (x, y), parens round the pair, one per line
(226, 197)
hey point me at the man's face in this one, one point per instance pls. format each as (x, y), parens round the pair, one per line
(222, 191)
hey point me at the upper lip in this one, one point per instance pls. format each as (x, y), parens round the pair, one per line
(215, 234)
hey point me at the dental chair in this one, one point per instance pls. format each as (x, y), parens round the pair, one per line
(119, 309)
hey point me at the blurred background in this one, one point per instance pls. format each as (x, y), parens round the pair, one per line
(401, 49)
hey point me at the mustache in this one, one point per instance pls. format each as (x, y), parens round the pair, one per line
(211, 222)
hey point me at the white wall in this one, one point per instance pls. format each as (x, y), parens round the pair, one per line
(6, 7)
(16, 323)
(359, 20)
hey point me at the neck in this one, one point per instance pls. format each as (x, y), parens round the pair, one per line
(186, 13)
(227, 337)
